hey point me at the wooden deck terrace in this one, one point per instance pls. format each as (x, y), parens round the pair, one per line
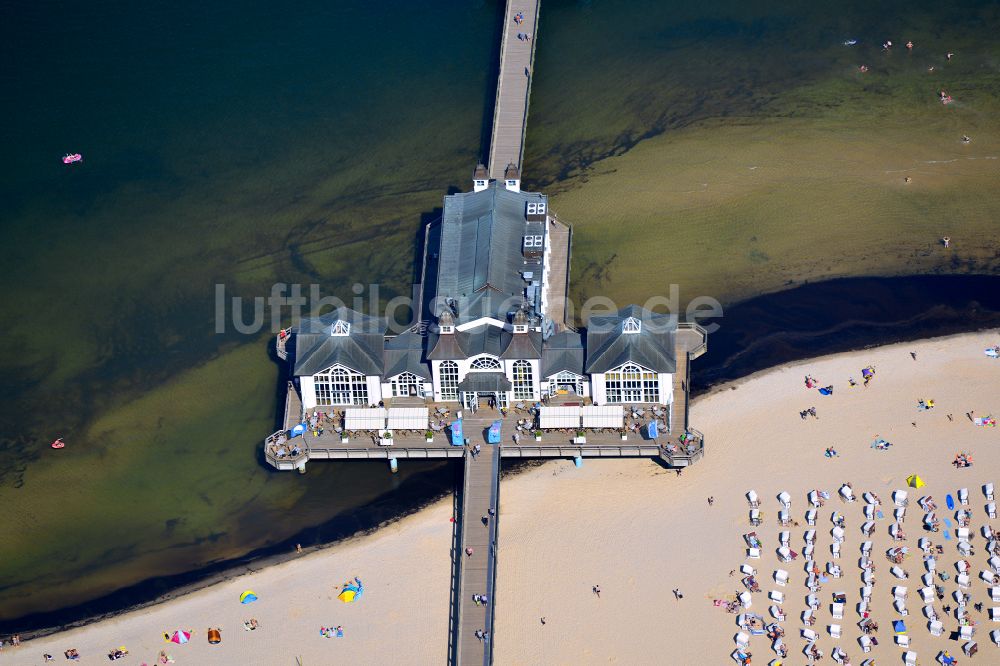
(510, 112)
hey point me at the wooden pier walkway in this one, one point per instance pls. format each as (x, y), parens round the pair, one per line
(476, 572)
(510, 113)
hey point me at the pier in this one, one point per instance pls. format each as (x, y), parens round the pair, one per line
(497, 349)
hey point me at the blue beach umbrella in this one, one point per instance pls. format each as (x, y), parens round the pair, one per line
(651, 430)
(300, 429)
(457, 436)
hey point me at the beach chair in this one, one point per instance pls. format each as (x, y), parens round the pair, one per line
(755, 518)
(776, 596)
(966, 632)
(784, 518)
(870, 498)
(988, 492)
(991, 510)
(869, 511)
(931, 614)
(813, 602)
(776, 613)
(753, 553)
(838, 534)
(785, 499)
(970, 648)
(835, 570)
(835, 550)
(753, 499)
(809, 635)
(910, 658)
(986, 576)
(994, 563)
(899, 592)
(963, 496)
(987, 533)
(995, 594)
(868, 528)
(747, 570)
(927, 593)
(742, 640)
(814, 498)
(866, 592)
(899, 498)
(865, 642)
(963, 580)
(785, 554)
(897, 572)
(811, 517)
(808, 550)
(837, 610)
(784, 538)
(930, 564)
(810, 536)
(924, 544)
(995, 637)
(935, 627)
(899, 514)
(927, 579)
(745, 599)
(995, 613)
(963, 533)
(903, 641)
(900, 606)
(847, 493)
(866, 547)
(962, 566)
(867, 577)
(781, 577)
(965, 548)
(835, 630)
(808, 617)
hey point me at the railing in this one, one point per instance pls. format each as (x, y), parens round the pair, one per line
(491, 567)
(281, 342)
(461, 569)
(692, 326)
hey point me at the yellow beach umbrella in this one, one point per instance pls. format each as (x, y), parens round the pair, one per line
(914, 481)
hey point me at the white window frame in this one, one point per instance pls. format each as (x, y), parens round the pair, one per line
(402, 382)
(566, 377)
(340, 327)
(485, 364)
(340, 386)
(631, 325)
(631, 383)
(523, 379)
(448, 380)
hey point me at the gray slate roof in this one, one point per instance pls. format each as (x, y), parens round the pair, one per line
(405, 353)
(652, 347)
(563, 351)
(480, 257)
(484, 339)
(485, 381)
(316, 350)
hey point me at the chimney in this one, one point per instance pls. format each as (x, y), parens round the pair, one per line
(512, 178)
(446, 324)
(480, 178)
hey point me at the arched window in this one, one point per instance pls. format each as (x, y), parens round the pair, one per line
(524, 385)
(448, 380)
(631, 383)
(407, 384)
(340, 386)
(566, 382)
(486, 363)
(631, 325)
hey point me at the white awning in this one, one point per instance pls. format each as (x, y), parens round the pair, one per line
(365, 418)
(408, 418)
(559, 417)
(608, 416)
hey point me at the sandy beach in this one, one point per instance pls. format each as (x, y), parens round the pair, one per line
(640, 531)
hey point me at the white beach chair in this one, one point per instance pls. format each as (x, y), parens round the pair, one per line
(965, 633)
(995, 594)
(927, 579)
(838, 534)
(870, 498)
(963, 533)
(929, 520)
(899, 514)
(811, 517)
(963, 580)
(776, 596)
(835, 550)
(866, 547)
(970, 648)
(988, 491)
(899, 497)
(745, 599)
(862, 608)
(808, 550)
(784, 537)
(962, 566)
(777, 614)
(930, 564)
(785, 554)
(808, 616)
(965, 548)
(902, 640)
(865, 642)
(927, 593)
(837, 610)
(866, 592)
(784, 518)
(755, 518)
(781, 577)
(867, 577)
(868, 528)
(785, 499)
(833, 569)
(742, 640)
(809, 635)
(995, 613)
(987, 533)
(899, 592)
(995, 637)
(994, 563)
(910, 658)
(869, 511)
(847, 493)
(897, 572)
(814, 498)
(988, 576)
(753, 553)
(810, 536)
(835, 631)
(813, 602)
(747, 570)
(776, 646)
(963, 496)
(900, 606)
(991, 510)
(753, 499)
(935, 627)
(931, 614)
(924, 544)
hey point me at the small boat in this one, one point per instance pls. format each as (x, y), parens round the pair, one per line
(850, 42)
(72, 158)
(58, 444)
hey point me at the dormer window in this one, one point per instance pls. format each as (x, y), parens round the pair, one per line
(340, 327)
(447, 329)
(631, 325)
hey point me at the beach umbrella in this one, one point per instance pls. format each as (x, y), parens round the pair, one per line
(351, 592)
(914, 481)
(300, 429)
(248, 597)
(180, 637)
(898, 627)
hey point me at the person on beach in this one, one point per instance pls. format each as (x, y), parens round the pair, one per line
(469, 551)
(711, 501)
(475, 599)
(597, 591)
(542, 619)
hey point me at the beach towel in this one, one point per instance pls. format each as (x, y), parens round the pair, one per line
(826, 391)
